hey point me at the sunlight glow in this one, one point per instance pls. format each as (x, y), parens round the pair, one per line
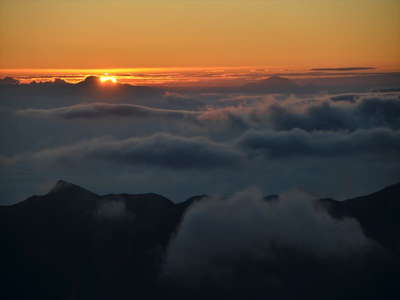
(108, 79)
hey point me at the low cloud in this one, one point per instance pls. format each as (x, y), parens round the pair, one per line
(161, 150)
(114, 209)
(218, 237)
(106, 110)
(378, 142)
(345, 98)
(338, 113)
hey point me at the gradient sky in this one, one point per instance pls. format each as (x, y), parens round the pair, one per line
(183, 33)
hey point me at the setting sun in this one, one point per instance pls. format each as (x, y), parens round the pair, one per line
(108, 79)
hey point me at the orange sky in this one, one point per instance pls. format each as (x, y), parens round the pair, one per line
(182, 33)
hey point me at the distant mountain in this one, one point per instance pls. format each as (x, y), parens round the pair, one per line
(92, 86)
(59, 93)
(274, 84)
(74, 244)
(8, 81)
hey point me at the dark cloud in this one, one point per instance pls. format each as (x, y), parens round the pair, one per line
(162, 150)
(345, 98)
(380, 112)
(321, 116)
(313, 114)
(380, 142)
(106, 110)
(365, 113)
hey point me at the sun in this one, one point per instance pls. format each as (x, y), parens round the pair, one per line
(108, 79)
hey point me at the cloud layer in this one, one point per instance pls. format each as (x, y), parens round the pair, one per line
(106, 110)
(379, 142)
(161, 150)
(212, 140)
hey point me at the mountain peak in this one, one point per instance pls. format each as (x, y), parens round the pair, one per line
(276, 79)
(273, 84)
(62, 185)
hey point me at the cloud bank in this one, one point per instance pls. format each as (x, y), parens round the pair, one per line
(204, 140)
(224, 235)
(106, 110)
(379, 142)
(161, 150)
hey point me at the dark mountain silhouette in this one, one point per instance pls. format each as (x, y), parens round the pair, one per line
(92, 86)
(378, 215)
(47, 94)
(8, 81)
(72, 235)
(74, 244)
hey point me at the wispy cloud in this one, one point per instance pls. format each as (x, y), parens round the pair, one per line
(344, 69)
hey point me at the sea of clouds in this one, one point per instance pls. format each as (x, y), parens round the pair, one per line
(184, 142)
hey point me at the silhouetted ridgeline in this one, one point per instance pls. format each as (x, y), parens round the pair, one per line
(74, 244)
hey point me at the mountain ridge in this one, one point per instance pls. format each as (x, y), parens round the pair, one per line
(376, 212)
(71, 240)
